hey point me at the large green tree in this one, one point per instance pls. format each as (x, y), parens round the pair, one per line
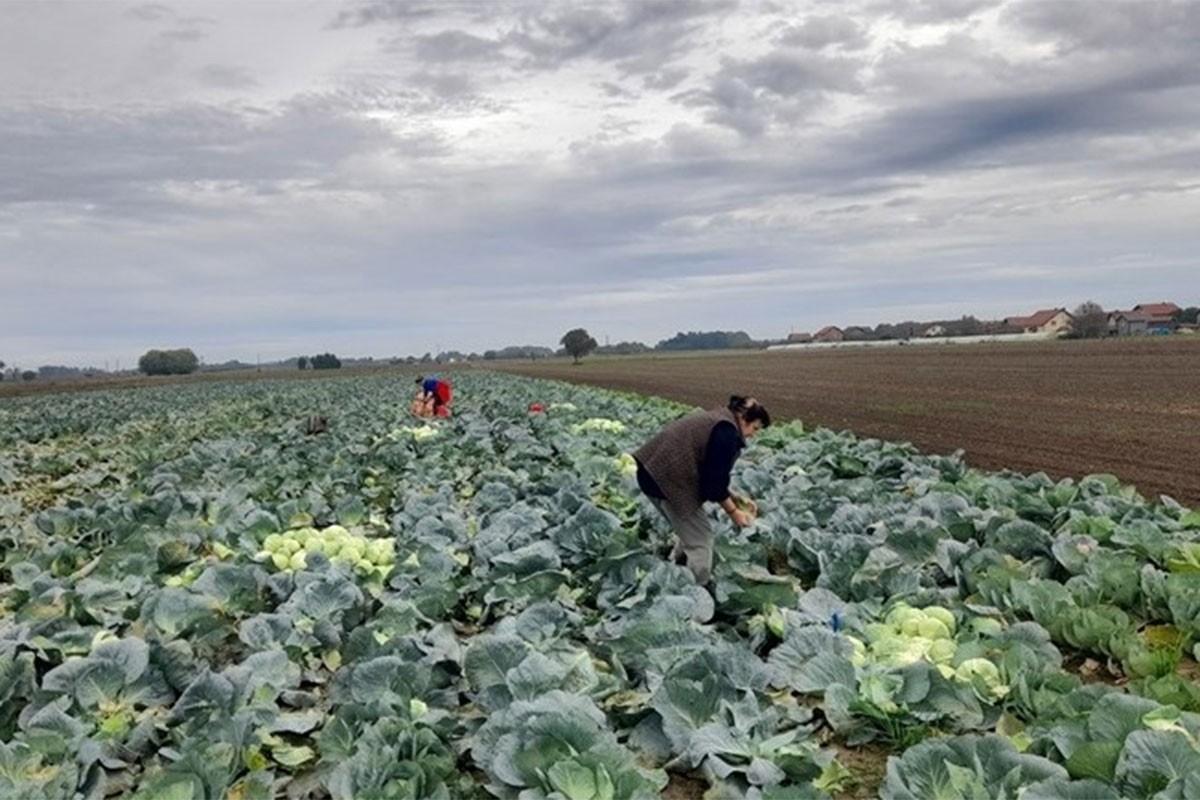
(578, 343)
(181, 361)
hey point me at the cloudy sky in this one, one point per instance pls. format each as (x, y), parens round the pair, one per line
(266, 178)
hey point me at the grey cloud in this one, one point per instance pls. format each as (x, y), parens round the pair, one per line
(616, 91)
(444, 84)
(732, 104)
(226, 77)
(957, 64)
(373, 12)
(969, 132)
(190, 29)
(665, 79)
(781, 86)
(819, 32)
(854, 209)
(455, 46)
(185, 35)
(640, 36)
(936, 11)
(1144, 25)
(117, 161)
(150, 12)
(787, 75)
(1060, 124)
(417, 97)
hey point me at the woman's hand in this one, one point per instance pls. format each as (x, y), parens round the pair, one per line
(741, 510)
(747, 505)
(741, 518)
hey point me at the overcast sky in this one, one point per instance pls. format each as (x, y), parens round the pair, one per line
(267, 178)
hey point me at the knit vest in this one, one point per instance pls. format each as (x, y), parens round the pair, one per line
(673, 457)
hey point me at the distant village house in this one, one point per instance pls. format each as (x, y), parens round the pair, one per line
(1127, 323)
(830, 333)
(1144, 318)
(1049, 321)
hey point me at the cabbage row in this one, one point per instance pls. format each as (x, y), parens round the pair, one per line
(200, 600)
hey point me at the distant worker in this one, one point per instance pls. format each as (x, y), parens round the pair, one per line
(688, 463)
(433, 398)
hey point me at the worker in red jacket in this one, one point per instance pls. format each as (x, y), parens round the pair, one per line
(433, 398)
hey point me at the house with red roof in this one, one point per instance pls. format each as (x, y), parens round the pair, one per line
(830, 333)
(1050, 321)
(1160, 317)
(1144, 318)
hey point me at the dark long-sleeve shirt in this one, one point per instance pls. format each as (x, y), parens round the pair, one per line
(724, 444)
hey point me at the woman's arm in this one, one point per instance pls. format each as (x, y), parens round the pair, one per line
(724, 444)
(720, 453)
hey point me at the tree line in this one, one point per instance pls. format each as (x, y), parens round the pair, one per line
(16, 373)
(183, 361)
(322, 361)
(1090, 320)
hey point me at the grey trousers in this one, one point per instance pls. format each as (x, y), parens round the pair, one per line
(693, 538)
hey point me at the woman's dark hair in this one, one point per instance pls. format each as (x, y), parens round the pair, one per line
(749, 409)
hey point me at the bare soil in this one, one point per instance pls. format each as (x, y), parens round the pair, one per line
(867, 763)
(1130, 407)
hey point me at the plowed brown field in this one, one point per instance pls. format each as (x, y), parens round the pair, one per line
(1128, 407)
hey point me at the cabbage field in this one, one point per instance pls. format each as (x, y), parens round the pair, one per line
(200, 600)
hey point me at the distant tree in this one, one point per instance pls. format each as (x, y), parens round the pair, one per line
(302, 362)
(966, 326)
(168, 362)
(28, 375)
(578, 343)
(1091, 321)
(522, 351)
(1187, 316)
(706, 340)
(885, 331)
(622, 349)
(1, 370)
(326, 361)
(60, 371)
